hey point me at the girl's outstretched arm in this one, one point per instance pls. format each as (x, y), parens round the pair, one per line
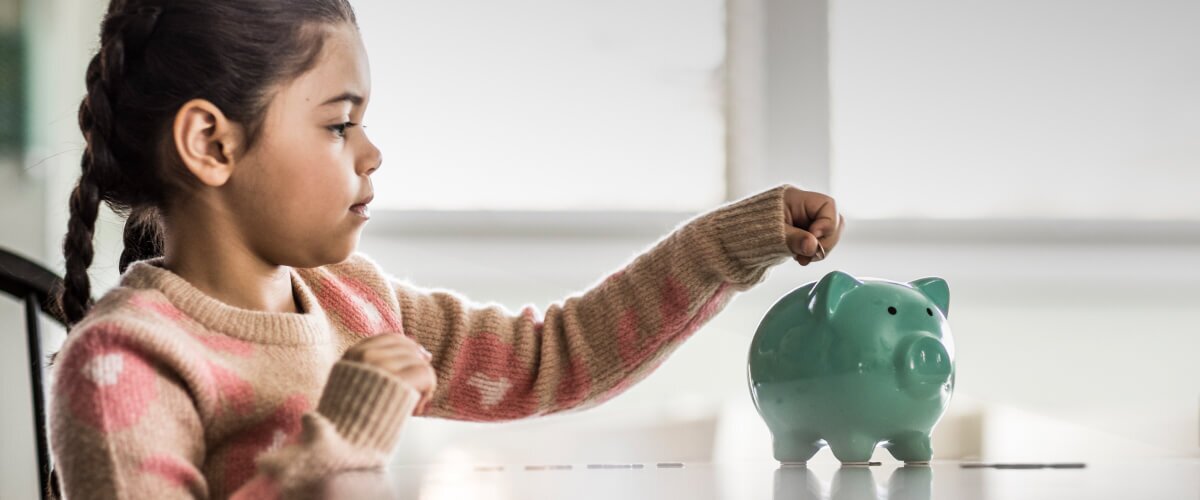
(493, 364)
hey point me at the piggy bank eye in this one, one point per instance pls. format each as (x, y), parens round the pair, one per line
(929, 311)
(892, 310)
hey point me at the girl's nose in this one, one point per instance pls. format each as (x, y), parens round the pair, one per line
(371, 160)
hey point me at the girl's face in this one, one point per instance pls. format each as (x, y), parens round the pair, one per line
(293, 191)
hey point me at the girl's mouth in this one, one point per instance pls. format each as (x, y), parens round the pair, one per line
(362, 210)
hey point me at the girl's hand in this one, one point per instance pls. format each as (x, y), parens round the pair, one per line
(813, 224)
(401, 356)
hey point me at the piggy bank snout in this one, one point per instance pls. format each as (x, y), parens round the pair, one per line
(923, 365)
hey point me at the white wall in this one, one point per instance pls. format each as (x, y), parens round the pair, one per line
(1027, 108)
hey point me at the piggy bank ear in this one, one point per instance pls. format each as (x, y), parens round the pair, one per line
(829, 292)
(937, 291)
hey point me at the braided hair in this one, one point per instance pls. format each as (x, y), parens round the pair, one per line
(155, 56)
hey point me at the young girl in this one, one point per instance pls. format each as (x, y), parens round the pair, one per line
(248, 349)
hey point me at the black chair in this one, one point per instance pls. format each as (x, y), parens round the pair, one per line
(28, 281)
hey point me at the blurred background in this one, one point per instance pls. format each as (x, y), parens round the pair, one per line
(1042, 157)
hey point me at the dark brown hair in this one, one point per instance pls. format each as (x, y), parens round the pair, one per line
(154, 56)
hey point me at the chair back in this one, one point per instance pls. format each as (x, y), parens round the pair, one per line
(29, 282)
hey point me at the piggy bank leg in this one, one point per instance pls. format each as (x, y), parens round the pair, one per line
(912, 448)
(853, 448)
(796, 447)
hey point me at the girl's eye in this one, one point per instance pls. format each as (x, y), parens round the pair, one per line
(340, 129)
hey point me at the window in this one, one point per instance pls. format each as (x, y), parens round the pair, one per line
(1016, 110)
(547, 106)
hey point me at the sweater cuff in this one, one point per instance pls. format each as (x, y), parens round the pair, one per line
(744, 238)
(366, 405)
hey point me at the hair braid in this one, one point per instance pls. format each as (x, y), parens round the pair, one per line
(143, 236)
(101, 171)
(75, 299)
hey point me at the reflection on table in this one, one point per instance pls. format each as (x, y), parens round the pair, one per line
(911, 482)
(1160, 480)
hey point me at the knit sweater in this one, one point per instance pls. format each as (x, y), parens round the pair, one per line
(162, 391)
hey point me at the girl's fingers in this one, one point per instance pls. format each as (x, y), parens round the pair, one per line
(386, 343)
(425, 399)
(421, 377)
(805, 208)
(403, 358)
(422, 391)
(823, 228)
(406, 365)
(801, 242)
(420, 406)
(388, 339)
(824, 216)
(381, 340)
(390, 355)
(426, 396)
(357, 351)
(394, 351)
(813, 226)
(409, 366)
(828, 231)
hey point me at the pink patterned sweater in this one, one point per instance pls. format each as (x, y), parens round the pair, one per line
(165, 392)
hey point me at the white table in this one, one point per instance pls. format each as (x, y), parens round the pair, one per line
(1140, 479)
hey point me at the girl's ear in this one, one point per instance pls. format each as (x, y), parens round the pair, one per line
(205, 140)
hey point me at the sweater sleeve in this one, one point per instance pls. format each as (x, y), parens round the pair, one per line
(493, 364)
(355, 427)
(124, 425)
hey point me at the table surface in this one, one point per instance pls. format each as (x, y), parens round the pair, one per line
(1150, 479)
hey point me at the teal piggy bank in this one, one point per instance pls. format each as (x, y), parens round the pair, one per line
(854, 363)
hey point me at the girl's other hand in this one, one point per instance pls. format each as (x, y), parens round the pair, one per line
(813, 224)
(400, 356)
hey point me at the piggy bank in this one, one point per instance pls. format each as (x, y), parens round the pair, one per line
(854, 363)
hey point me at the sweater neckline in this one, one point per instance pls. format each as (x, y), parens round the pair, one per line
(309, 327)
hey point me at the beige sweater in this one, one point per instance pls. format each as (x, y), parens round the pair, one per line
(165, 392)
